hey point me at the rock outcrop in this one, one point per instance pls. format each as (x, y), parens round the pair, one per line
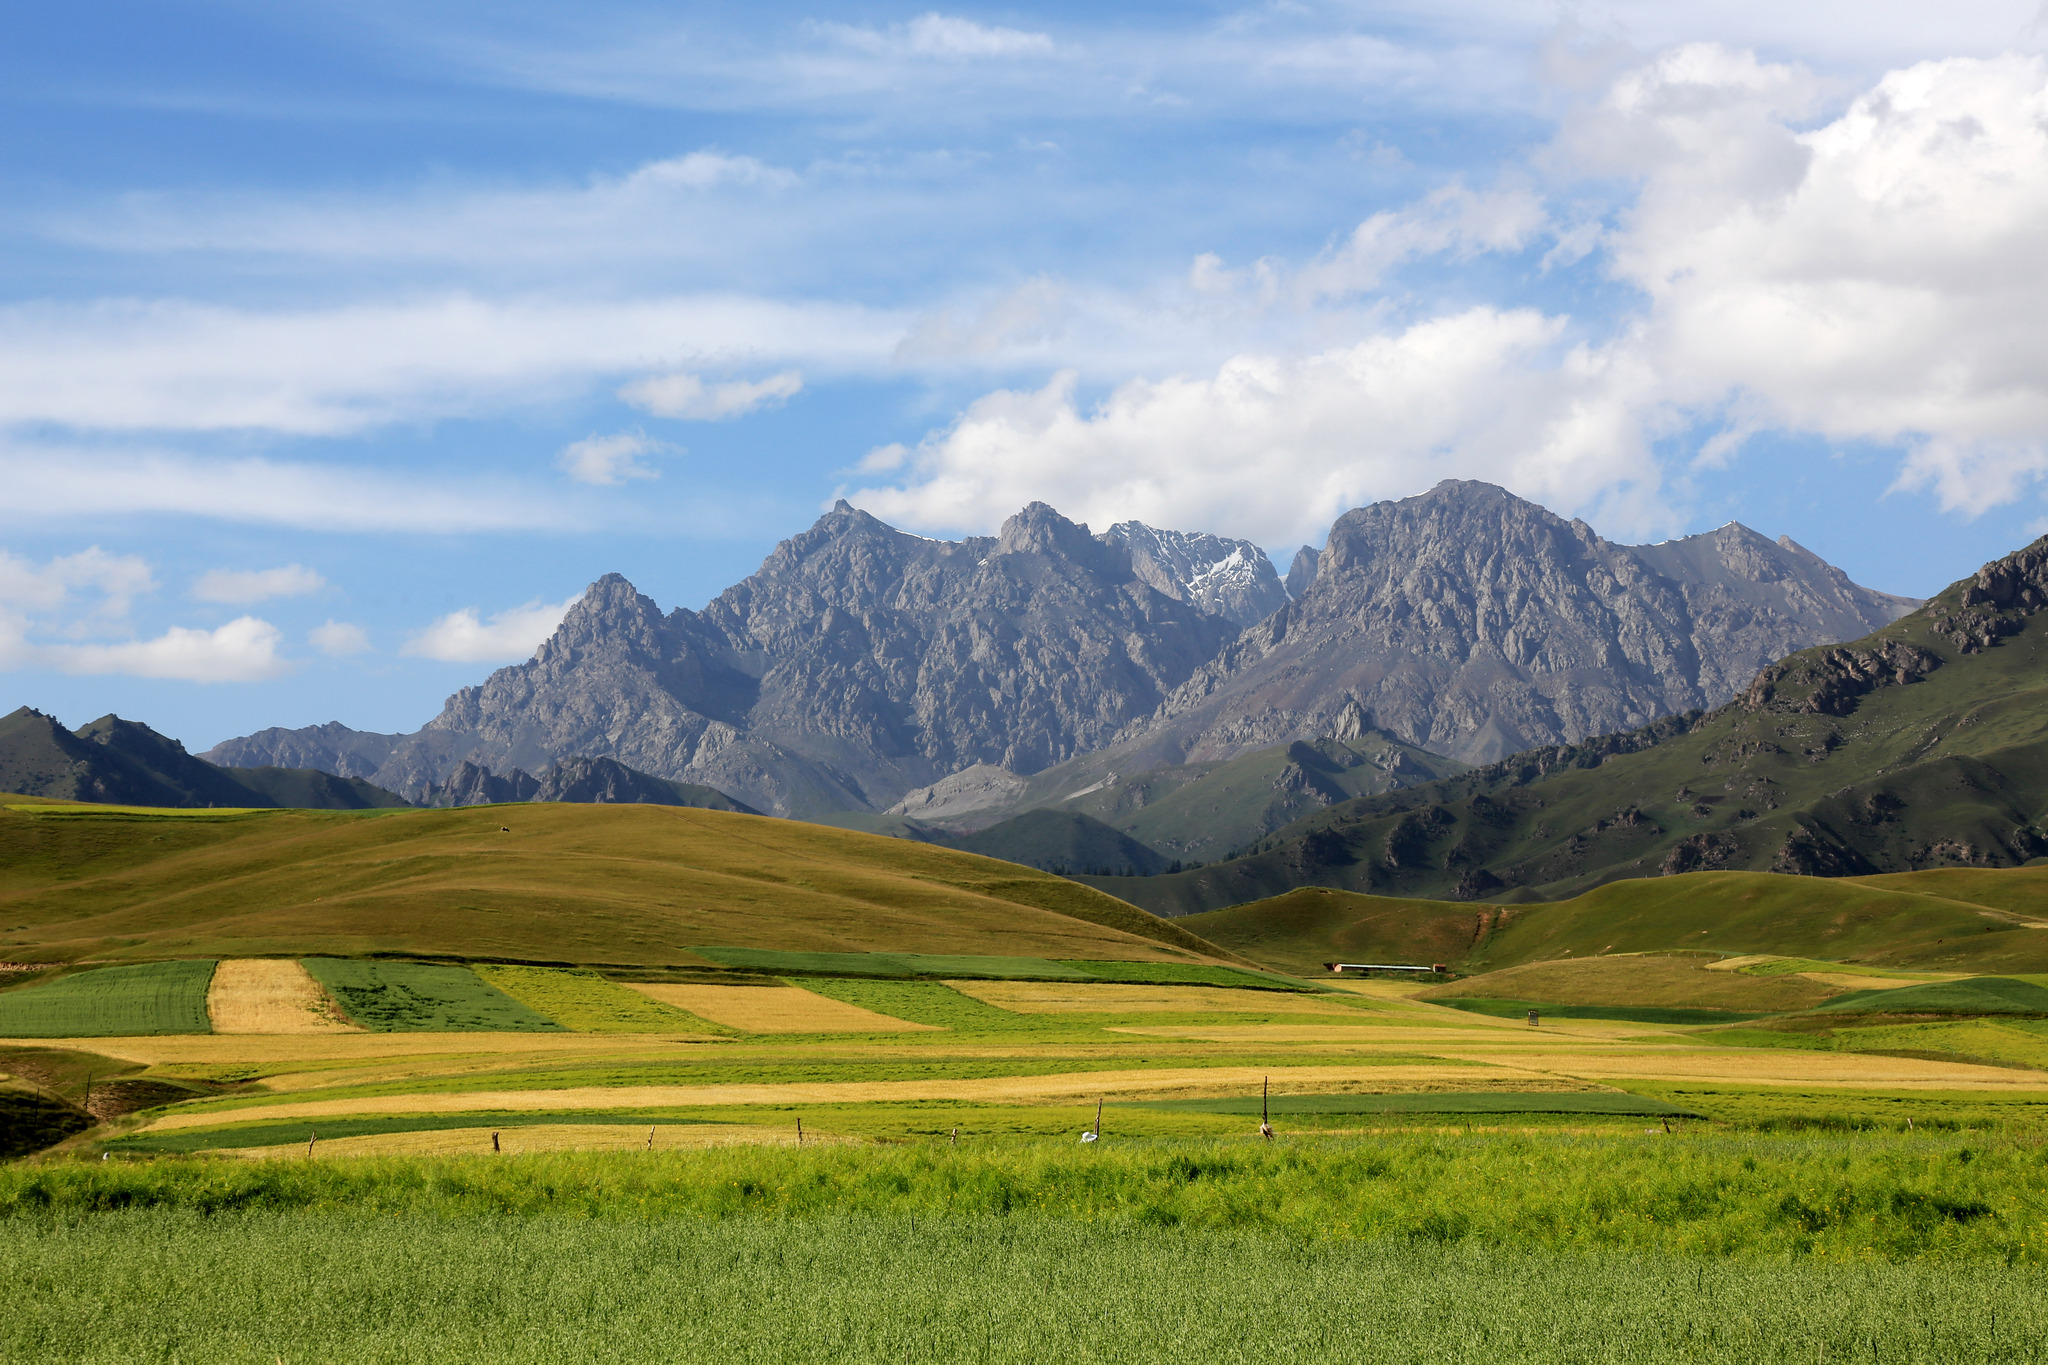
(1233, 579)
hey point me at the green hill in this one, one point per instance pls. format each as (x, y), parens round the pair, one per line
(1883, 921)
(1062, 842)
(1923, 746)
(119, 761)
(601, 884)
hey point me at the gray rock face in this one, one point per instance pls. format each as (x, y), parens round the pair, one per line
(1233, 579)
(1302, 572)
(857, 663)
(1474, 624)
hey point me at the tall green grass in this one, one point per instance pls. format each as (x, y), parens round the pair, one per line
(264, 1287)
(112, 1002)
(1866, 1197)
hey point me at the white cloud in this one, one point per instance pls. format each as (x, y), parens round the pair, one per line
(244, 586)
(340, 639)
(191, 367)
(27, 589)
(1275, 448)
(1878, 278)
(687, 396)
(1452, 221)
(609, 460)
(243, 650)
(508, 637)
(708, 170)
(942, 36)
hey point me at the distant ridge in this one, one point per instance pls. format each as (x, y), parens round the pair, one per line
(122, 762)
(582, 781)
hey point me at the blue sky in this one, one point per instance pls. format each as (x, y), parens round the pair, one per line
(341, 345)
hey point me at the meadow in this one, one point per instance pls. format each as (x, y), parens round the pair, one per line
(147, 997)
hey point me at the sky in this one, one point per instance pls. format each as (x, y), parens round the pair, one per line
(342, 346)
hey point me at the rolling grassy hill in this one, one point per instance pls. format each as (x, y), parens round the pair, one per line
(1902, 920)
(611, 884)
(1920, 747)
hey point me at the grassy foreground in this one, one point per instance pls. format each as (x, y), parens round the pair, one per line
(163, 1285)
(1982, 1198)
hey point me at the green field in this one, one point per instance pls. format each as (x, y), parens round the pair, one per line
(178, 1142)
(991, 967)
(264, 1287)
(1494, 1102)
(587, 1003)
(927, 1002)
(1190, 974)
(111, 1002)
(1641, 1014)
(421, 997)
(1976, 995)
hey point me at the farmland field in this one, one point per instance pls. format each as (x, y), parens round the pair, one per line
(269, 995)
(586, 1002)
(145, 998)
(419, 997)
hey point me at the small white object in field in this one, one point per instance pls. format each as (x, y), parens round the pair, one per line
(1088, 1137)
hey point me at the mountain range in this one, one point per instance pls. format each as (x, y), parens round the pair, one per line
(1923, 745)
(862, 666)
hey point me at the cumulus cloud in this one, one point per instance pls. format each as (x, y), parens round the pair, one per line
(28, 589)
(340, 639)
(1275, 448)
(243, 650)
(688, 396)
(241, 587)
(610, 460)
(509, 636)
(1877, 278)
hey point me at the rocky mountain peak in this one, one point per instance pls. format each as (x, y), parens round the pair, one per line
(1040, 530)
(1233, 579)
(1302, 572)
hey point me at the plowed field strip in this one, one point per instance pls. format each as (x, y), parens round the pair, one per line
(998, 1089)
(270, 995)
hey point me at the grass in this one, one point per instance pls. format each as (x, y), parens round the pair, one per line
(1977, 995)
(1975, 1198)
(587, 1003)
(1482, 1102)
(420, 997)
(1668, 981)
(269, 1287)
(904, 965)
(1641, 1014)
(1191, 974)
(183, 1141)
(618, 885)
(111, 1002)
(928, 1002)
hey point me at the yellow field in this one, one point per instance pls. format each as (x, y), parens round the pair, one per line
(1090, 997)
(549, 1137)
(270, 995)
(774, 1009)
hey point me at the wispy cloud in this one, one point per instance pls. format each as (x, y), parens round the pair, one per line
(95, 483)
(243, 650)
(242, 587)
(688, 396)
(339, 639)
(610, 460)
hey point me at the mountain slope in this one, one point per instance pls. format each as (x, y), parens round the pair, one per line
(122, 762)
(1474, 624)
(592, 781)
(623, 884)
(1887, 920)
(1922, 746)
(1229, 578)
